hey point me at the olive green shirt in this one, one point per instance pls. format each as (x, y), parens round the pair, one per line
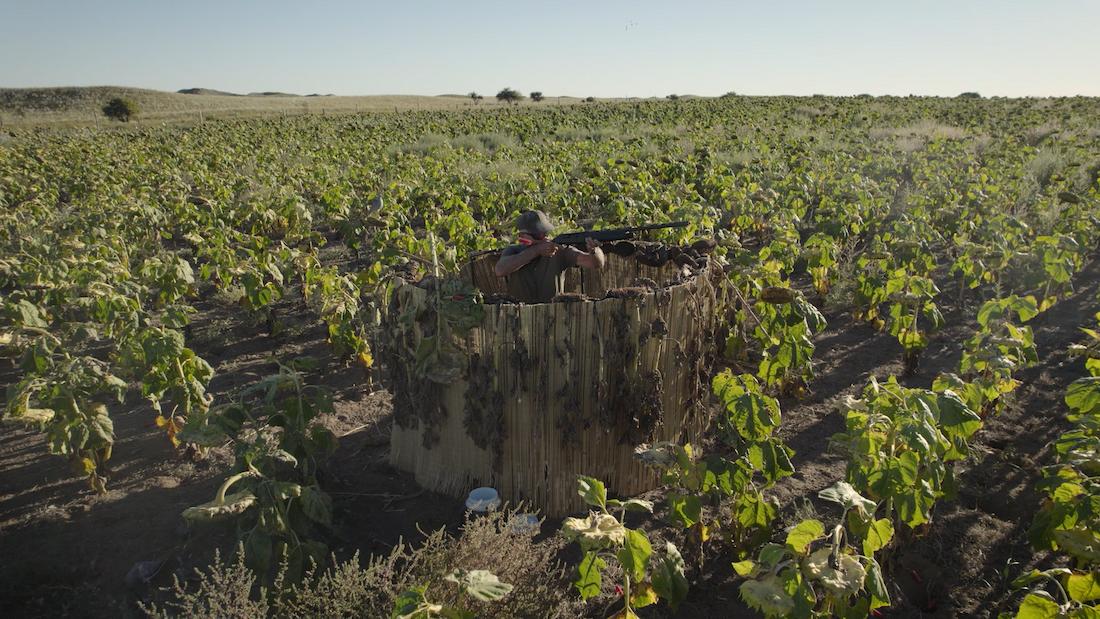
(543, 278)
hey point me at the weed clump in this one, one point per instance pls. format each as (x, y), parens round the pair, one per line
(541, 586)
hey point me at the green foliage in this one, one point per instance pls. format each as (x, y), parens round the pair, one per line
(335, 297)
(478, 584)
(120, 109)
(65, 396)
(704, 486)
(821, 253)
(168, 371)
(910, 299)
(536, 96)
(993, 354)
(108, 236)
(646, 576)
(1069, 518)
(779, 324)
(900, 443)
(816, 573)
(279, 507)
(508, 95)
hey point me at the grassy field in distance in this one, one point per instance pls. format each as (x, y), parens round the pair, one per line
(81, 106)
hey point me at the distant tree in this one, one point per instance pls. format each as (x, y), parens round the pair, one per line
(536, 96)
(729, 95)
(120, 109)
(475, 97)
(589, 99)
(507, 95)
(970, 95)
(672, 97)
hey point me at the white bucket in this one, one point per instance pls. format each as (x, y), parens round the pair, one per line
(482, 500)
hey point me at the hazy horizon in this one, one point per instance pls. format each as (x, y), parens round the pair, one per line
(615, 49)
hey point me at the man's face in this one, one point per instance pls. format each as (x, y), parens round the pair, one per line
(528, 238)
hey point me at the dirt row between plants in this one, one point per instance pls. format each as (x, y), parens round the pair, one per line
(70, 553)
(962, 563)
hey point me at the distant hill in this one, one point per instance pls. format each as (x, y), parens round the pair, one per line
(206, 91)
(83, 105)
(67, 99)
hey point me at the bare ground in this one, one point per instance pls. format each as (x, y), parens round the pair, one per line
(67, 552)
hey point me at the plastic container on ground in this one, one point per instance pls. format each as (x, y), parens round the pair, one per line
(483, 500)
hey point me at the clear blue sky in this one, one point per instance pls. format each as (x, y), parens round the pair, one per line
(599, 48)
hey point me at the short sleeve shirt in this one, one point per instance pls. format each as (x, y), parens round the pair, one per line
(543, 278)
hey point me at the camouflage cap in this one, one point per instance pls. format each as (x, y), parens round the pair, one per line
(534, 222)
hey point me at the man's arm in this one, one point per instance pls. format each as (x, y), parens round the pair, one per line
(593, 258)
(512, 262)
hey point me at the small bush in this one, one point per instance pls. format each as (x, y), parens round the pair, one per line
(1043, 167)
(1088, 176)
(589, 134)
(488, 143)
(427, 144)
(969, 95)
(672, 97)
(223, 590)
(542, 586)
(507, 95)
(120, 109)
(1036, 135)
(589, 99)
(536, 96)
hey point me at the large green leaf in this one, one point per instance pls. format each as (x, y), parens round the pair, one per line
(914, 507)
(669, 580)
(631, 505)
(1081, 543)
(1034, 606)
(956, 418)
(101, 427)
(592, 491)
(589, 579)
(1083, 587)
(634, 554)
(684, 510)
(754, 511)
(1083, 395)
(258, 550)
(30, 316)
(317, 505)
(876, 586)
(878, 536)
(410, 604)
(772, 458)
(805, 532)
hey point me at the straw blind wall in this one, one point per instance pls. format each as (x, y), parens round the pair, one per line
(550, 391)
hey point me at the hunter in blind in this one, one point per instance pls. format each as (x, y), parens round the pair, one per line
(535, 268)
